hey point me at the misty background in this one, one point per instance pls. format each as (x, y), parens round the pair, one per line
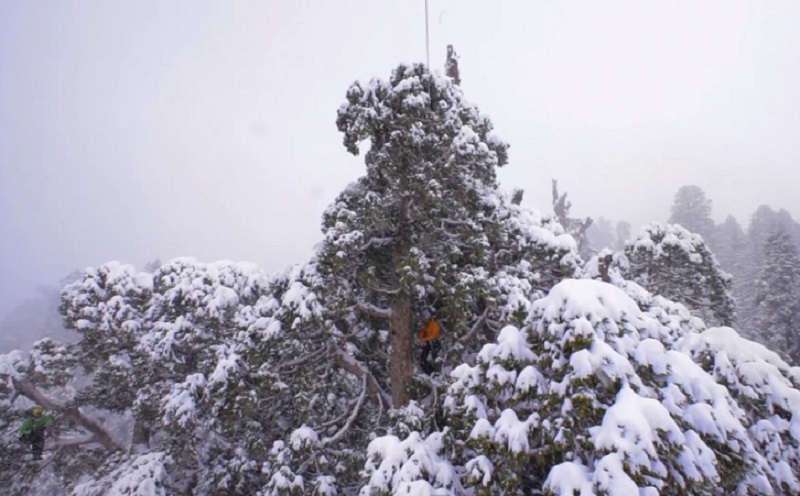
(146, 130)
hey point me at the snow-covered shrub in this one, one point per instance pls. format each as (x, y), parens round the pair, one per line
(413, 465)
(142, 475)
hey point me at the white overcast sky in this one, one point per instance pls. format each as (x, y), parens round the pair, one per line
(142, 129)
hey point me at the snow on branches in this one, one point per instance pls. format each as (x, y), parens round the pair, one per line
(672, 262)
(580, 398)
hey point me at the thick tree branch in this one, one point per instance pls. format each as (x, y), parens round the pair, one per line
(375, 241)
(351, 365)
(386, 291)
(373, 311)
(27, 389)
(451, 222)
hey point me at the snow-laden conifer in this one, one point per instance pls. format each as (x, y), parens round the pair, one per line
(601, 394)
(670, 261)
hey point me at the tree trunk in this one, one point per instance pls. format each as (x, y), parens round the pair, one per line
(401, 334)
(401, 360)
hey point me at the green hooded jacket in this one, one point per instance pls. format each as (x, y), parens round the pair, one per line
(32, 424)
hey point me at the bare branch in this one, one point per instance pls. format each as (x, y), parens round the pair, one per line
(27, 389)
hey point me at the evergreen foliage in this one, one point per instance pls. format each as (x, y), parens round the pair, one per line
(670, 261)
(777, 296)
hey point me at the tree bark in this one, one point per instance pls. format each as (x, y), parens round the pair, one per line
(401, 360)
(401, 334)
(30, 391)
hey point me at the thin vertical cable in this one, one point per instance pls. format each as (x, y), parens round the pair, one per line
(427, 44)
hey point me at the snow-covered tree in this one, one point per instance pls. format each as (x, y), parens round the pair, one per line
(106, 307)
(607, 390)
(670, 261)
(417, 210)
(160, 354)
(765, 220)
(424, 231)
(777, 296)
(767, 389)
(691, 209)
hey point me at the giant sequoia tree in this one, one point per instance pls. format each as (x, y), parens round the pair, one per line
(425, 229)
(416, 214)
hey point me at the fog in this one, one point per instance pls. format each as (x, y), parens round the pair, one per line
(136, 130)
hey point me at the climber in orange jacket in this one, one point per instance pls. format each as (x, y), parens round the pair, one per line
(429, 335)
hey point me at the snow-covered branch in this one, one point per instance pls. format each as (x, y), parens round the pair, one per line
(373, 311)
(351, 365)
(376, 241)
(314, 355)
(451, 222)
(353, 415)
(386, 290)
(30, 391)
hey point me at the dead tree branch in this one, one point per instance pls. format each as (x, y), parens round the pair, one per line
(27, 389)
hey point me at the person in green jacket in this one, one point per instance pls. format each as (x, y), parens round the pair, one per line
(33, 430)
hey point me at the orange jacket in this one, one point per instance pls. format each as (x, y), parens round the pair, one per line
(430, 330)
